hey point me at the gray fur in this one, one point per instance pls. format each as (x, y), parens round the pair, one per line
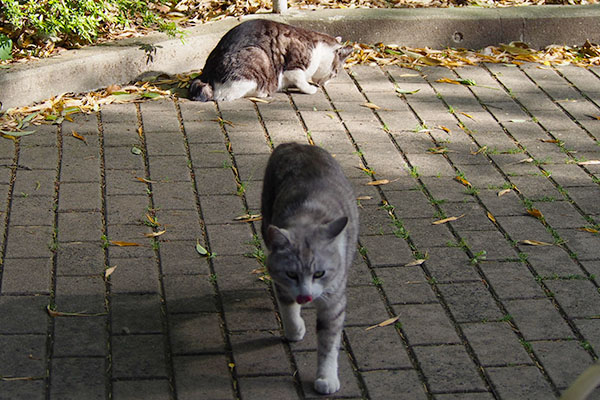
(261, 51)
(310, 226)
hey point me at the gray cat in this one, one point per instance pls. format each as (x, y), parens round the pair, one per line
(259, 57)
(310, 227)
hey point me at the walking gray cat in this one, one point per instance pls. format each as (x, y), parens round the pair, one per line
(259, 57)
(310, 227)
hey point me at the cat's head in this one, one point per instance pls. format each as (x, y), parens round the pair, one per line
(340, 53)
(305, 260)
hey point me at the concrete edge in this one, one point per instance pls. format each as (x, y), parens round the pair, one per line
(121, 62)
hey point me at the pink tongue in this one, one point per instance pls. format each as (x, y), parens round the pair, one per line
(303, 299)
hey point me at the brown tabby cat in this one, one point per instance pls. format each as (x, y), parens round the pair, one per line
(260, 57)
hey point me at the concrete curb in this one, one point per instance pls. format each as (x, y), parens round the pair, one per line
(120, 62)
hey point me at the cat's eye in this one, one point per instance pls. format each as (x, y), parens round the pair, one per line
(318, 274)
(292, 275)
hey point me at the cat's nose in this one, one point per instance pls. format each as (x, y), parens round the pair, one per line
(302, 299)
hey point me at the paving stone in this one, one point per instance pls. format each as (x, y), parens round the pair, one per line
(196, 334)
(28, 389)
(259, 351)
(72, 337)
(203, 132)
(23, 355)
(426, 324)
(404, 285)
(590, 329)
(562, 370)
(448, 368)
(450, 264)
(202, 377)
(470, 302)
(508, 204)
(445, 188)
(28, 241)
(494, 244)
(39, 157)
(495, 343)
(215, 181)
(26, 276)
(230, 239)
(465, 396)
(249, 310)
(583, 244)
(579, 298)
(385, 250)
(410, 204)
(237, 273)
(155, 389)
(262, 387)
(123, 181)
(511, 280)
(169, 168)
(538, 319)
(374, 220)
(471, 216)
(173, 196)
(79, 258)
(365, 306)
(23, 314)
(134, 275)
(147, 361)
(75, 377)
(83, 294)
(379, 348)
(307, 366)
(80, 164)
(425, 235)
(32, 210)
(189, 294)
(561, 214)
(180, 257)
(79, 196)
(550, 260)
(520, 382)
(221, 209)
(136, 313)
(381, 383)
(34, 183)
(79, 226)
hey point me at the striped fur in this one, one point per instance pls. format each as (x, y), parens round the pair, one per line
(310, 227)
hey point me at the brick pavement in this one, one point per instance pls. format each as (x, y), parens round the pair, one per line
(485, 316)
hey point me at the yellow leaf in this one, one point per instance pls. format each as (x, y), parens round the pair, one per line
(359, 198)
(144, 180)
(448, 80)
(124, 244)
(590, 230)
(154, 234)
(258, 100)
(378, 182)
(590, 162)
(108, 272)
(491, 217)
(415, 263)
(78, 136)
(371, 106)
(467, 115)
(449, 219)
(152, 220)
(442, 127)
(503, 192)
(534, 243)
(534, 212)
(463, 181)
(384, 323)
(549, 141)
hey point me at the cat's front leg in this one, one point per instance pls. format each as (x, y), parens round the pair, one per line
(297, 78)
(330, 322)
(293, 324)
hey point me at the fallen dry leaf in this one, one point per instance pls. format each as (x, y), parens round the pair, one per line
(123, 244)
(258, 100)
(449, 219)
(384, 323)
(549, 140)
(590, 162)
(534, 243)
(144, 180)
(155, 234)
(590, 230)
(359, 198)
(442, 127)
(108, 272)
(491, 217)
(248, 218)
(534, 212)
(378, 182)
(415, 262)
(463, 181)
(503, 192)
(371, 106)
(78, 136)
(54, 313)
(526, 160)
(467, 115)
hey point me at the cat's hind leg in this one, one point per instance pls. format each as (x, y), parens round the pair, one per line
(232, 90)
(293, 324)
(297, 78)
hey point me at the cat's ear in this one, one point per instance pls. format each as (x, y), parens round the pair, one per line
(277, 238)
(334, 228)
(338, 39)
(344, 52)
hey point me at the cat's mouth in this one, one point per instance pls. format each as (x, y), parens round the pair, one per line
(302, 299)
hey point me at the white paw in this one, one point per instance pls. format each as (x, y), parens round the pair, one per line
(310, 89)
(327, 385)
(296, 333)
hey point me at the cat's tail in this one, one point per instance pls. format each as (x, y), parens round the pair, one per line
(201, 91)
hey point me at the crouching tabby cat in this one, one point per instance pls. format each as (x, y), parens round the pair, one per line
(259, 57)
(310, 227)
